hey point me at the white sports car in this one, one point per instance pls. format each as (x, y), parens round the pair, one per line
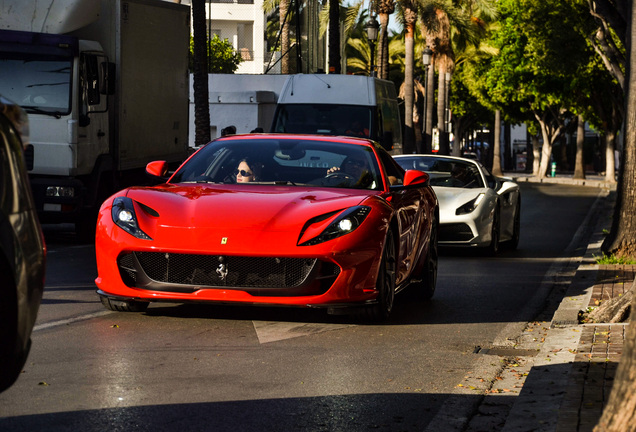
(477, 209)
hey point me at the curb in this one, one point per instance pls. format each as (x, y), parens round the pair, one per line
(590, 181)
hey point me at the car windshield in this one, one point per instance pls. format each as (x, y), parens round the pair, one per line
(446, 172)
(284, 161)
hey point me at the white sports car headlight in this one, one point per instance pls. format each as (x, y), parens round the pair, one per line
(470, 206)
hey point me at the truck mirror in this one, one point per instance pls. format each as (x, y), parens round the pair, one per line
(107, 82)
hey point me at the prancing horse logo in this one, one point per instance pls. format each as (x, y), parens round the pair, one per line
(222, 269)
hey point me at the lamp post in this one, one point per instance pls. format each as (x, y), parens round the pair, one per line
(447, 102)
(444, 139)
(372, 34)
(427, 55)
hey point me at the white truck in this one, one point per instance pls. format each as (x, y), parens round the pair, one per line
(305, 103)
(351, 105)
(105, 83)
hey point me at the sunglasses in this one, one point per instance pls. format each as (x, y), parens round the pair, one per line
(243, 173)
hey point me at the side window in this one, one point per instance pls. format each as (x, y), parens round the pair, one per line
(394, 172)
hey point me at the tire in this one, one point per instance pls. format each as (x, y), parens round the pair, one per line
(493, 248)
(12, 357)
(385, 283)
(124, 305)
(425, 288)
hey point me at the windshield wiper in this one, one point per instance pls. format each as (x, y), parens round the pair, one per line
(37, 110)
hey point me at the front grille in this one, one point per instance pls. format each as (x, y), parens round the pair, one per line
(455, 232)
(158, 270)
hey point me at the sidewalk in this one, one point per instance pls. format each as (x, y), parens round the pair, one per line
(557, 375)
(569, 381)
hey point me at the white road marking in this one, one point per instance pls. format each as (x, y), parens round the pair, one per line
(272, 331)
(71, 320)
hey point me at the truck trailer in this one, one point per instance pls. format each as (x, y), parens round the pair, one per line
(105, 83)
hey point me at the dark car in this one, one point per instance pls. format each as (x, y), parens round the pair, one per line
(22, 247)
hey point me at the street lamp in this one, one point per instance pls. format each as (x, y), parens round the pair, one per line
(372, 34)
(427, 55)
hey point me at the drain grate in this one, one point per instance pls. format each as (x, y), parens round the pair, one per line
(506, 351)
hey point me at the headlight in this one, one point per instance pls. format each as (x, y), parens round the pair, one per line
(470, 206)
(60, 191)
(123, 213)
(345, 223)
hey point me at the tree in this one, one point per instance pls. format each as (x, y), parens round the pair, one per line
(385, 8)
(334, 36)
(613, 17)
(620, 412)
(496, 147)
(468, 112)
(449, 26)
(410, 17)
(200, 76)
(284, 14)
(223, 57)
(529, 76)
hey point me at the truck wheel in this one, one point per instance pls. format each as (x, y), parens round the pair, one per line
(124, 305)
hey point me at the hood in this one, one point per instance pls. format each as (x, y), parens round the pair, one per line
(450, 198)
(190, 214)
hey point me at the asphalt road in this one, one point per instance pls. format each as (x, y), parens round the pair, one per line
(214, 368)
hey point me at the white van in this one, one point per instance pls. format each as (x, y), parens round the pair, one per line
(349, 105)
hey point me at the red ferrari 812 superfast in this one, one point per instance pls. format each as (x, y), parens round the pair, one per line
(272, 219)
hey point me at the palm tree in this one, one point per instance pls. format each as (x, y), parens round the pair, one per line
(384, 9)
(352, 22)
(409, 11)
(200, 75)
(334, 36)
(284, 14)
(447, 25)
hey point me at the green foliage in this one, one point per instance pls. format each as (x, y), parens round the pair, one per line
(223, 57)
(613, 259)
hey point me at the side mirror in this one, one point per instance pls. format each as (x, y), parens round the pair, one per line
(506, 185)
(415, 177)
(158, 169)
